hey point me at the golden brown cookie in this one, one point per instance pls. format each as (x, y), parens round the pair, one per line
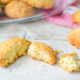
(76, 17)
(74, 37)
(18, 9)
(44, 4)
(5, 1)
(70, 62)
(0, 8)
(43, 52)
(12, 49)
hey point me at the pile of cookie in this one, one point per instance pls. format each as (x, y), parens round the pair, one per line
(24, 8)
(11, 49)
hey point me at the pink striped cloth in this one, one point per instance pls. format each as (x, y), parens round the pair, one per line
(68, 7)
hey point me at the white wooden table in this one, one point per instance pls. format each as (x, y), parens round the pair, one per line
(27, 69)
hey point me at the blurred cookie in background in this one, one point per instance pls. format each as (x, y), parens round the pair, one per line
(76, 17)
(43, 4)
(74, 37)
(5, 1)
(18, 9)
(0, 8)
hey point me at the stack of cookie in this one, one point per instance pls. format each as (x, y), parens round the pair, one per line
(24, 8)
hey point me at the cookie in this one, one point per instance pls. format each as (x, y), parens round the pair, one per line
(18, 9)
(43, 52)
(44, 4)
(70, 62)
(76, 17)
(11, 49)
(74, 37)
(0, 8)
(5, 1)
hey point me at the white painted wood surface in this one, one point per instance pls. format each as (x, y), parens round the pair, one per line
(27, 69)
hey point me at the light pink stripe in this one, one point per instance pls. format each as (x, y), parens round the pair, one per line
(65, 19)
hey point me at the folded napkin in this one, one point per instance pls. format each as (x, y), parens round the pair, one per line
(64, 15)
